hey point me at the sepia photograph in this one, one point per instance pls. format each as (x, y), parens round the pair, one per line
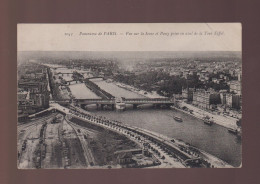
(139, 95)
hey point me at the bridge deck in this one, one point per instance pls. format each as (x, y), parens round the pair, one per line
(126, 101)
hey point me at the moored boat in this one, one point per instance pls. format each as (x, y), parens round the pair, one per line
(177, 118)
(239, 132)
(233, 131)
(208, 122)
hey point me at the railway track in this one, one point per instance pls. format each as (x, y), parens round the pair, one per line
(38, 121)
(87, 153)
(28, 130)
(64, 148)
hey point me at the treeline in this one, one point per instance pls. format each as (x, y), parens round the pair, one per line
(96, 89)
(167, 85)
(54, 88)
(77, 76)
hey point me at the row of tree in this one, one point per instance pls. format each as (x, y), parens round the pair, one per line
(165, 84)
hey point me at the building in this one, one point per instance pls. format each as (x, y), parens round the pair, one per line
(40, 100)
(239, 76)
(146, 150)
(33, 95)
(188, 94)
(24, 102)
(201, 98)
(236, 101)
(125, 156)
(222, 94)
(235, 86)
(214, 98)
(233, 101)
(229, 100)
(205, 99)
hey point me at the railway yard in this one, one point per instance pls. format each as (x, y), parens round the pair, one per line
(49, 142)
(54, 141)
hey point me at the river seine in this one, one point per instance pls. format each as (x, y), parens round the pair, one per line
(214, 139)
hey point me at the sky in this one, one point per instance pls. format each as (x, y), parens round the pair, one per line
(130, 37)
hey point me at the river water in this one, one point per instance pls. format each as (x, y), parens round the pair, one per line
(214, 139)
(80, 91)
(115, 90)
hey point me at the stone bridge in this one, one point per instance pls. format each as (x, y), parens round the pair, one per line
(68, 82)
(133, 101)
(126, 101)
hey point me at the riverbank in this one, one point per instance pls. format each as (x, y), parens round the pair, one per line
(138, 91)
(210, 158)
(200, 114)
(227, 122)
(176, 142)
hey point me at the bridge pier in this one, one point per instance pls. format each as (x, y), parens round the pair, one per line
(158, 106)
(120, 104)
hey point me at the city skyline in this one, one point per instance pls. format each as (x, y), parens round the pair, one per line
(157, 99)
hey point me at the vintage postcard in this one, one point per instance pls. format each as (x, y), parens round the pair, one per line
(164, 95)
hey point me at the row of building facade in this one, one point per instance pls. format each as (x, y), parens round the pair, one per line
(32, 95)
(207, 99)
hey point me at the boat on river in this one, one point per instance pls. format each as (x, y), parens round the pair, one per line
(177, 118)
(208, 121)
(239, 132)
(236, 131)
(232, 130)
